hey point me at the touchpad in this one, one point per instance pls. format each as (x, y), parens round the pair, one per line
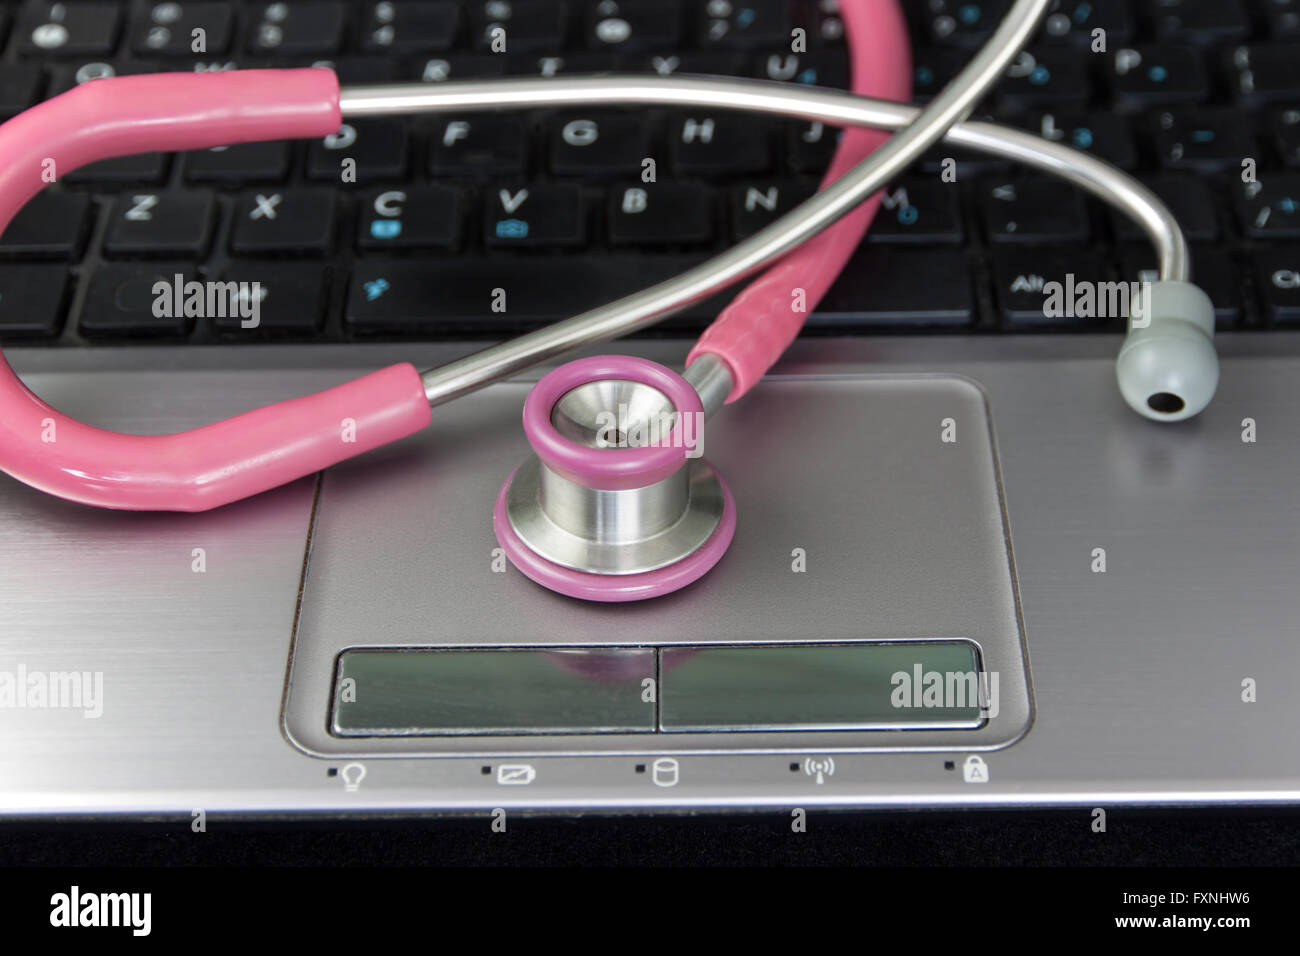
(870, 580)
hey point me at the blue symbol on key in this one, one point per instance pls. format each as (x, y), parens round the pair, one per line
(808, 76)
(512, 229)
(375, 288)
(1157, 74)
(1040, 76)
(1203, 136)
(1082, 12)
(744, 18)
(386, 228)
(924, 76)
(969, 14)
(1288, 205)
(907, 215)
(1082, 138)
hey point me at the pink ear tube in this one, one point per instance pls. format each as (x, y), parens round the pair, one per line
(225, 461)
(752, 332)
(219, 463)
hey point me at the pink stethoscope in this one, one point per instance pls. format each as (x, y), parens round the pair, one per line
(596, 514)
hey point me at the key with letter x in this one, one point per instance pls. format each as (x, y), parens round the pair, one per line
(284, 221)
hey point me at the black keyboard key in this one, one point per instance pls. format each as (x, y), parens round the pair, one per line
(68, 29)
(241, 163)
(20, 84)
(811, 146)
(940, 160)
(161, 224)
(1188, 198)
(598, 144)
(284, 222)
(1266, 74)
(748, 25)
(169, 29)
(535, 26)
(533, 216)
(711, 144)
(1277, 276)
(1201, 21)
(142, 168)
(442, 69)
(963, 22)
(918, 211)
(367, 149)
(32, 299)
(313, 28)
(64, 76)
(1103, 134)
(406, 295)
(1157, 76)
(399, 29)
(486, 145)
(716, 62)
(557, 65)
(1269, 208)
(1205, 140)
(1045, 76)
(1034, 210)
(829, 68)
(1074, 20)
(413, 217)
(137, 299)
(1212, 270)
(273, 297)
(1284, 128)
(757, 204)
(361, 69)
(51, 225)
(1282, 18)
(635, 25)
(883, 286)
(1022, 285)
(656, 214)
(932, 68)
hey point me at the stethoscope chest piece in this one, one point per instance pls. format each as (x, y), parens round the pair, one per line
(617, 504)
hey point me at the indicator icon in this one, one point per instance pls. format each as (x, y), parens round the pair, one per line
(516, 774)
(821, 769)
(975, 770)
(665, 772)
(352, 776)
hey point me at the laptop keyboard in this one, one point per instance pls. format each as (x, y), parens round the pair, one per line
(550, 205)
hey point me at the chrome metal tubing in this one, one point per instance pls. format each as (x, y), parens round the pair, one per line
(919, 129)
(712, 381)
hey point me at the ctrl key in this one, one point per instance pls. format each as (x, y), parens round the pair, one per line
(32, 298)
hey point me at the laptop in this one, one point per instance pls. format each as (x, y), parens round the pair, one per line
(964, 575)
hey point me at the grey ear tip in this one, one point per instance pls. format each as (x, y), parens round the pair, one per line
(1168, 369)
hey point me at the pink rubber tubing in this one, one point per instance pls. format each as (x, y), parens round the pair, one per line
(219, 463)
(751, 333)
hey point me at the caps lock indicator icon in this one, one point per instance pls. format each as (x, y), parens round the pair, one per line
(975, 770)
